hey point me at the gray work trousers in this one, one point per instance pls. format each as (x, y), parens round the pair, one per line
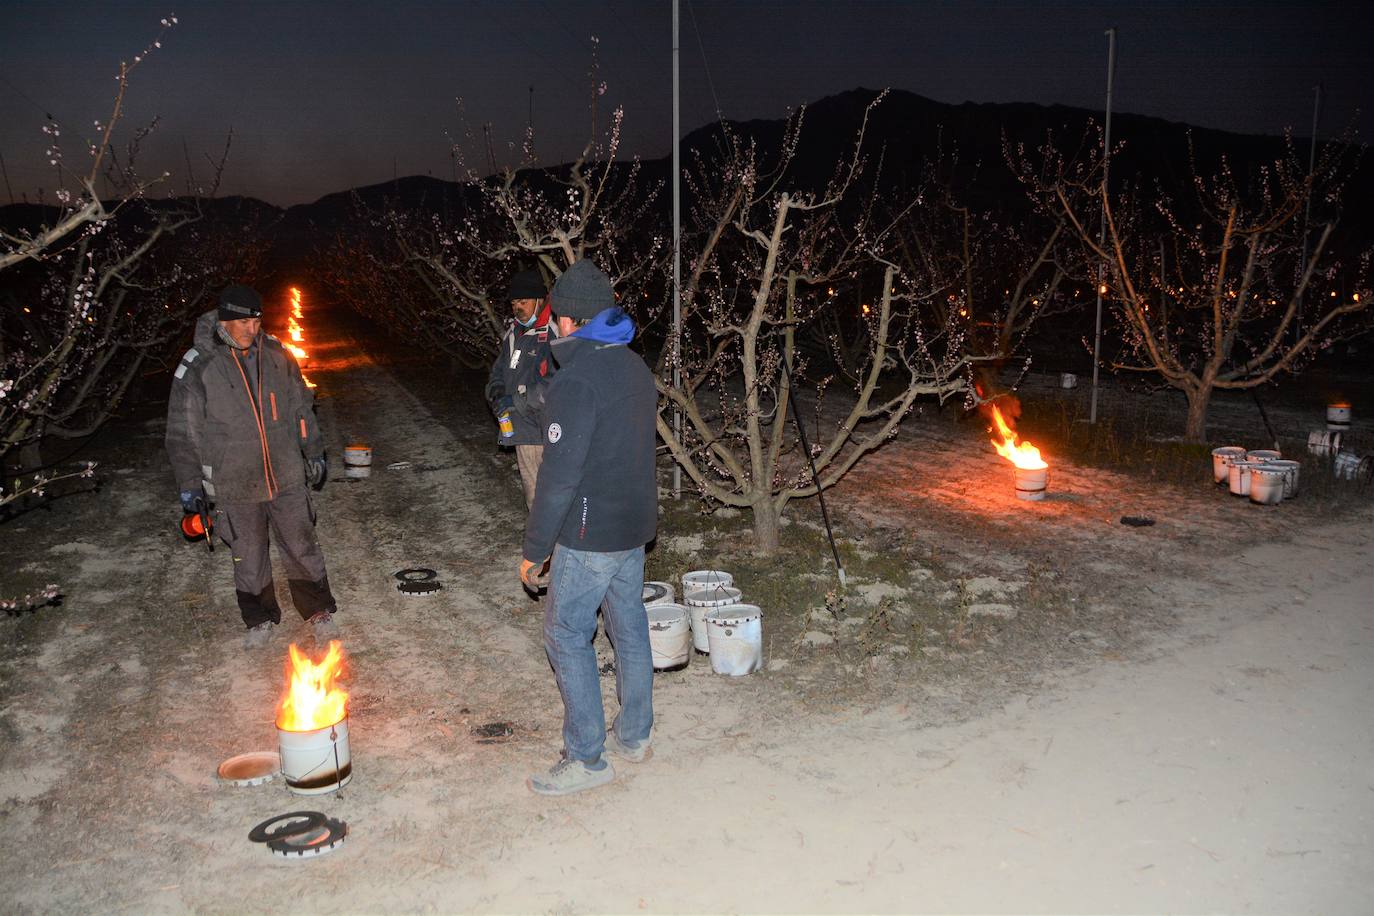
(528, 458)
(290, 519)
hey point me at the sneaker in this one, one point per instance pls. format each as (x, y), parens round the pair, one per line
(325, 628)
(622, 751)
(259, 635)
(569, 776)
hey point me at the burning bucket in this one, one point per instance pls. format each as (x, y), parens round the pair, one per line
(312, 724)
(318, 761)
(1221, 461)
(703, 600)
(1338, 417)
(1031, 482)
(357, 461)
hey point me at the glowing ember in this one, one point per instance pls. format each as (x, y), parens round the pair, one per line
(312, 700)
(1023, 455)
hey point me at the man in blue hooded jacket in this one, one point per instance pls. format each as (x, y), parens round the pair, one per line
(595, 507)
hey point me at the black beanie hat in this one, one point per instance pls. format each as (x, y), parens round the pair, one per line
(582, 292)
(526, 284)
(237, 302)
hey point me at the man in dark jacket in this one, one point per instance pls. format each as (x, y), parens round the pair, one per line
(522, 369)
(239, 421)
(595, 508)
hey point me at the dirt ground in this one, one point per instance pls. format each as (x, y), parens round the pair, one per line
(1013, 707)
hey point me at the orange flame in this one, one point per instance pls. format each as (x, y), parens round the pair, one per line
(312, 700)
(1023, 455)
(308, 383)
(295, 302)
(298, 352)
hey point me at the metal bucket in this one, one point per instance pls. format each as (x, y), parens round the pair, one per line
(1291, 471)
(706, 578)
(1221, 461)
(703, 600)
(316, 762)
(1349, 466)
(670, 636)
(357, 461)
(1266, 485)
(1338, 417)
(1031, 482)
(1239, 479)
(1324, 442)
(1263, 454)
(736, 637)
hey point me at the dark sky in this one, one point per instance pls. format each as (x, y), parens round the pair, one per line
(323, 96)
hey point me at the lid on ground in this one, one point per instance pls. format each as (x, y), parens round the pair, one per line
(251, 769)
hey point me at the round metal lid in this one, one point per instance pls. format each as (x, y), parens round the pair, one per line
(251, 769)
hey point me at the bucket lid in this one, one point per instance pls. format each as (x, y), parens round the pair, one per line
(714, 596)
(251, 769)
(734, 614)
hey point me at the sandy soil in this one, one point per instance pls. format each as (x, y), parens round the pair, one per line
(1071, 714)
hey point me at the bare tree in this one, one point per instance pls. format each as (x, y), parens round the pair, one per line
(1221, 291)
(766, 259)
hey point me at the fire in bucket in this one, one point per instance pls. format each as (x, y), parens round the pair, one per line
(1031, 473)
(312, 724)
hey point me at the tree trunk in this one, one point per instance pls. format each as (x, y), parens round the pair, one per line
(1198, 399)
(766, 516)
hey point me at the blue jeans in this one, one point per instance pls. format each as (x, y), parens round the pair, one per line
(580, 581)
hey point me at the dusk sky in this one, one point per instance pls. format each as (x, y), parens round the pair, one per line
(324, 96)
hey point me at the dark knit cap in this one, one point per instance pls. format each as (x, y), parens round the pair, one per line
(237, 302)
(526, 284)
(582, 292)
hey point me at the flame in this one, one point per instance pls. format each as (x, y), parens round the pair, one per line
(1023, 455)
(298, 352)
(295, 302)
(312, 700)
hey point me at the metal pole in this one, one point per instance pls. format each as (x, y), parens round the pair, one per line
(1102, 231)
(810, 460)
(677, 264)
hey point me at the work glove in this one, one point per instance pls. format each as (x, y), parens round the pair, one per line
(190, 500)
(317, 472)
(534, 575)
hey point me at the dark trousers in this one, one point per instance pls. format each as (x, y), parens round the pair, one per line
(290, 519)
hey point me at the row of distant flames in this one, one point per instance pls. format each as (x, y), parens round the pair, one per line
(313, 698)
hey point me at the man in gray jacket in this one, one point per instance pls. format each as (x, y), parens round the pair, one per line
(240, 420)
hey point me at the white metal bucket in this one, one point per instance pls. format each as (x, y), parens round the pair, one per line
(670, 636)
(1324, 442)
(1031, 482)
(1349, 466)
(736, 636)
(702, 600)
(1266, 485)
(357, 461)
(318, 761)
(658, 593)
(1221, 461)
(1239, 479)
(1263, 454)
(1291, 471)
(706, 578)
(1068, 380)
(1338, 417)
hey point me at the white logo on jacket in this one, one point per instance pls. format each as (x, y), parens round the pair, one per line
(555, 433)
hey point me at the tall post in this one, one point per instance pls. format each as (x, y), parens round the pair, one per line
(1102, 230)
(677, 262)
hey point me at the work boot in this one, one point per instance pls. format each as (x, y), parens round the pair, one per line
(569, 776)
(258, 635)
(622, 751)
(325, 628)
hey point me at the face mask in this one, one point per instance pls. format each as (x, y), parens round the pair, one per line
(530, 323)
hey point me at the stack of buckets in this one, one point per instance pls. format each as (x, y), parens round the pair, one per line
(710, 620)
(1261, 474)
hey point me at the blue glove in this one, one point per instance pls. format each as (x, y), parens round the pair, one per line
(189, 498)
(317, 472)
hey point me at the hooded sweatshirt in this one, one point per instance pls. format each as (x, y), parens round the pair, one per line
(597, 489)
(240, 421)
